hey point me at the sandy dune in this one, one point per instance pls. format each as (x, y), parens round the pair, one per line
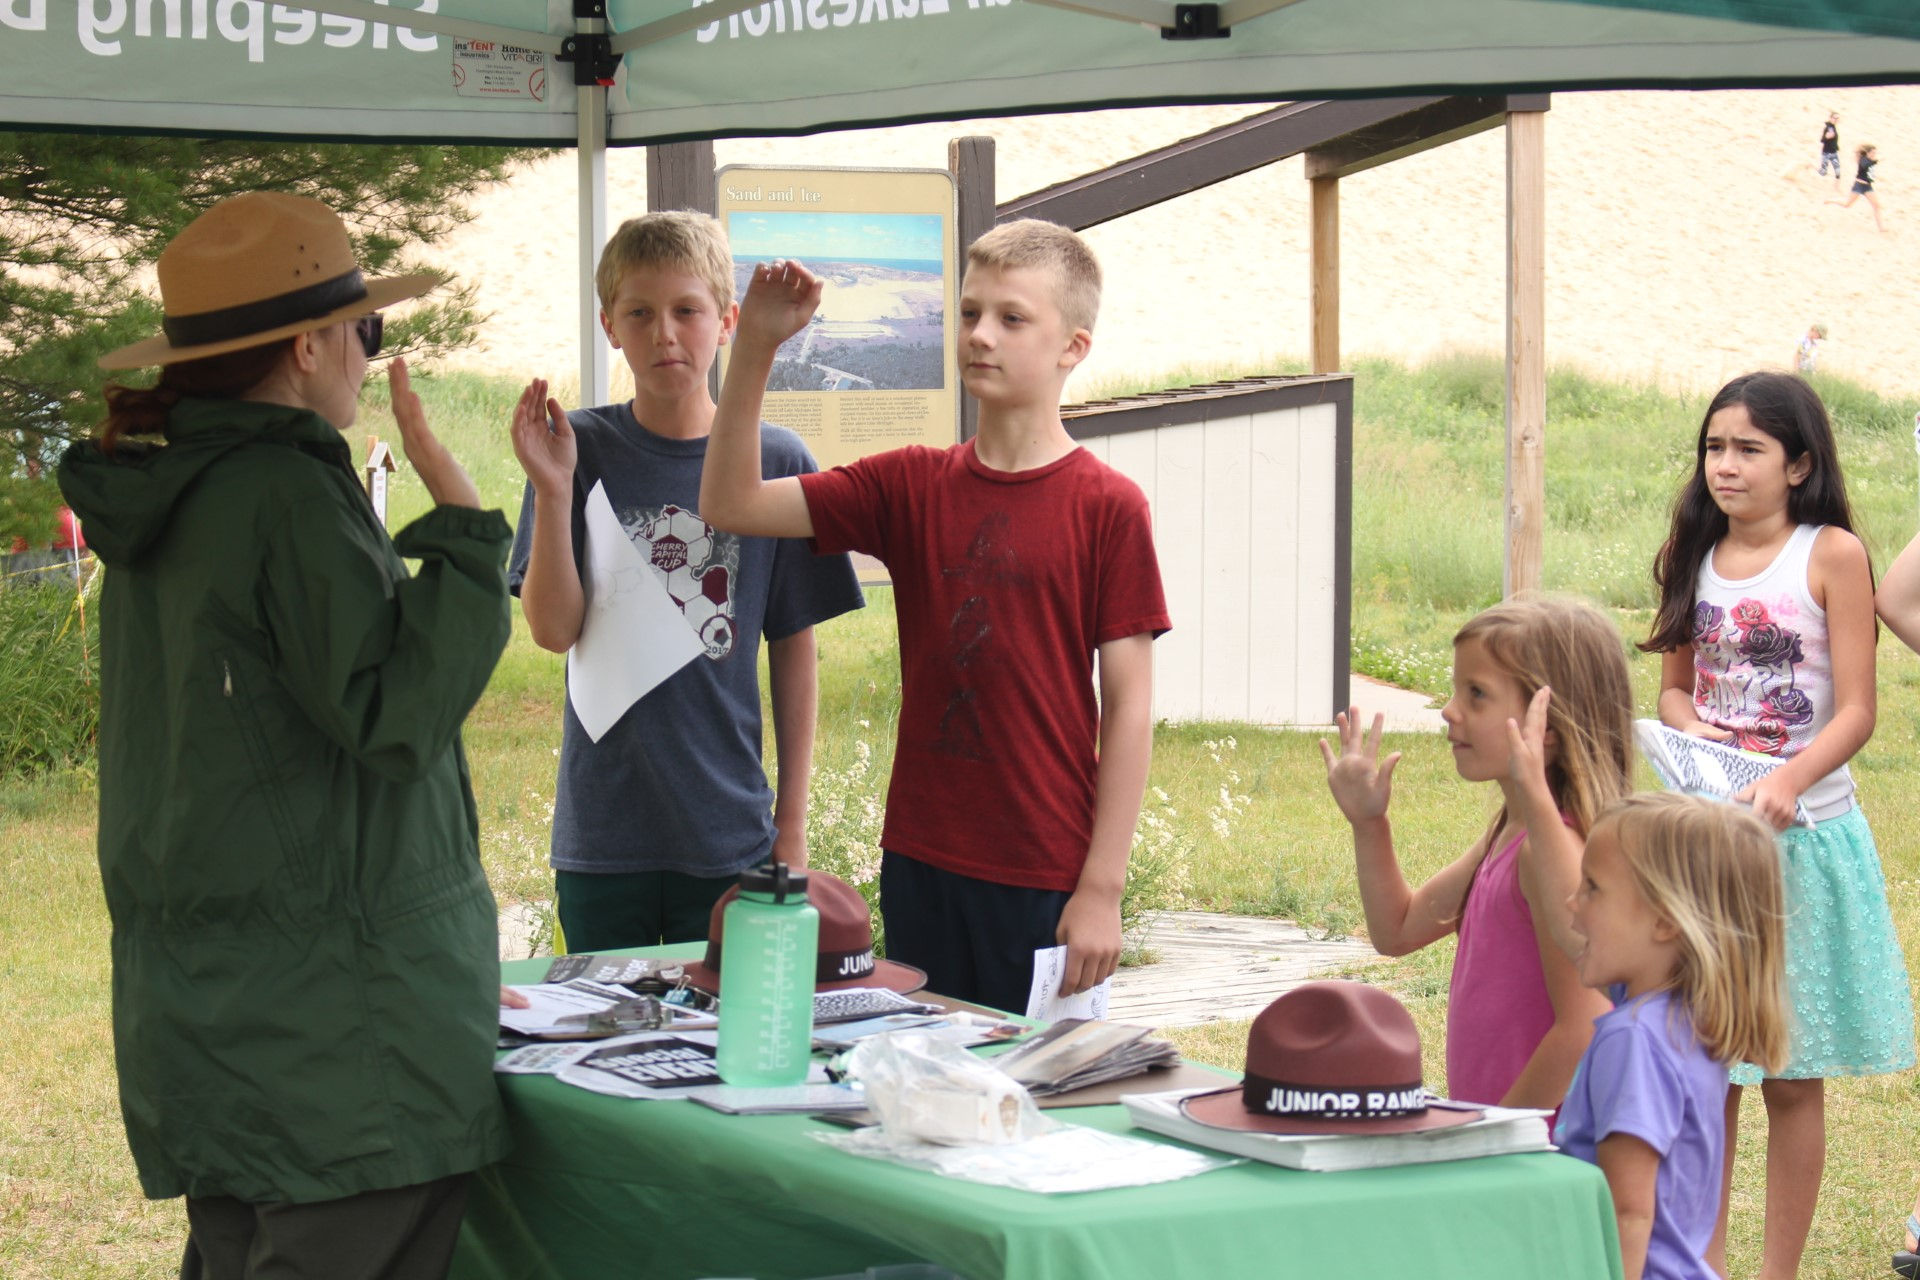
(1687, 239)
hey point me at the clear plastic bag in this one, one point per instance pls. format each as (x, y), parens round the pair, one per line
(929, 1090)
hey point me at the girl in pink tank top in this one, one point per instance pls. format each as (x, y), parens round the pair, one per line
(1533, 679)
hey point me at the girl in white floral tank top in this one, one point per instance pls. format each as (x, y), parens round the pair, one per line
(1766, 624)
(1762, 664)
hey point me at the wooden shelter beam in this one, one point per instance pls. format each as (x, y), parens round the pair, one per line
(1202, 160)
(1434, 125)
(1353, 134)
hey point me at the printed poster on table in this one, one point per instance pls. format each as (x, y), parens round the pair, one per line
(875, 368)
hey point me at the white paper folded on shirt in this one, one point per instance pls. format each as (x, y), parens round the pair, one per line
(1046, 1003)
(1504, 1131)
(632, 635)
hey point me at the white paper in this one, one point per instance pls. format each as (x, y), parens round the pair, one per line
(1045, 1001)
(801, 1098)
(632, 635)
(1066, 1159)
(547, 1003)
(1500, 1131)
(544, 1059)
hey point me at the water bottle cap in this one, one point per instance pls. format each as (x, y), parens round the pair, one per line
(776, 879)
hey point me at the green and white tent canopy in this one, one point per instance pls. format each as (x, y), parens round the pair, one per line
(600, 72)
(386, 68)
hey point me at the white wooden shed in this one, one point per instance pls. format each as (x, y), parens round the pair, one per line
(1251, 486)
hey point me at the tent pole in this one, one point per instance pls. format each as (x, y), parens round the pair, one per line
(595, 356)
(1526, 349)
(1325, 270)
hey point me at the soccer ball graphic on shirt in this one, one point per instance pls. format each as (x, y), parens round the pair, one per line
(697, 564)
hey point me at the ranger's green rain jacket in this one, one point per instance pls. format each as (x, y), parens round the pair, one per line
(305, 963)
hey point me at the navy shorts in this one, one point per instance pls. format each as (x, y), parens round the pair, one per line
(974, 938)
(610, 911)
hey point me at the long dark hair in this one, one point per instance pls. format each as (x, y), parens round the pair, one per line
(143, 411)
(1787, 409)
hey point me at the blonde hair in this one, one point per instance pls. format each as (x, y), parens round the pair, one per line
(1713, 870)
(1573, 648)
(1035, 245)
(682, 240)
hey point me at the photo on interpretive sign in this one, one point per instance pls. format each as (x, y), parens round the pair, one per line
(881, 322)
(874, 369)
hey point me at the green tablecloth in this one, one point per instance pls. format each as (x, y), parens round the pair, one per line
(607, 1187)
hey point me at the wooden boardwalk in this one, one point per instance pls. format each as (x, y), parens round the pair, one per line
(1213, 967)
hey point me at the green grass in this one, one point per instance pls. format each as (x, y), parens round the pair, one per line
(1428, 483)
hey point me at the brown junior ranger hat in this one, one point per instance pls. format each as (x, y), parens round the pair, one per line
(846, 956)
(1329, 1057)
(253, 269)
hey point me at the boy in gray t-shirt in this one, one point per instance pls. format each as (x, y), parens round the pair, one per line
(654, 821)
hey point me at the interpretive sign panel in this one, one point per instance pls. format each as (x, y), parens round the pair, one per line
(875, 368)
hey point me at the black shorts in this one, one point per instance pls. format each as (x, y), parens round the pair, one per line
(974, 938)
(1862, 188)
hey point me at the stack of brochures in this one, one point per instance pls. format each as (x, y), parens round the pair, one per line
(1504, 1131)
(1701, 766)
(963, 1029)
(1077, 1052)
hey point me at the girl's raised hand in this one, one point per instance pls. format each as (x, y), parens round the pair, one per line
(1527, 746)
(1361, 782)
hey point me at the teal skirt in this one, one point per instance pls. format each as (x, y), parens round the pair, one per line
(1846, 978)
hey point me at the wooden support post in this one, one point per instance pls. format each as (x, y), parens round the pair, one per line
(680, 176)
(1326, 275)
(970, 160)
(1526, 349)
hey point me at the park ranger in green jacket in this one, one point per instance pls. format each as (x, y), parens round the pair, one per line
(305, 971)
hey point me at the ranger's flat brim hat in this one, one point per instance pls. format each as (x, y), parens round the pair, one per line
(844, 955)
(254, 269)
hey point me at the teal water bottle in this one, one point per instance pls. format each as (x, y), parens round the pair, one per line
(770, 936)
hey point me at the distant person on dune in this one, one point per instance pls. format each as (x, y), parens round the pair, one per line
(1866, 156)
(1806, 356)
(1830, 148)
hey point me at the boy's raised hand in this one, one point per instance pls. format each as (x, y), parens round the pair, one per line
(781, 299)
(543, 440)
(1361, 782)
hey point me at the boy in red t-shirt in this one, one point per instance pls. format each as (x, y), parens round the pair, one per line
(1015, 558)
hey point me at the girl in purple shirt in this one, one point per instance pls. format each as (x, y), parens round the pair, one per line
(1678, 916)
(1517, 1016)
